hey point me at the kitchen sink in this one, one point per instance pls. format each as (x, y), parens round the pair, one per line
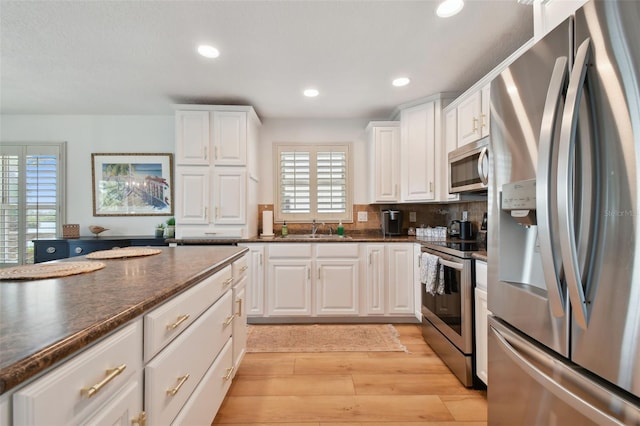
(317, 237)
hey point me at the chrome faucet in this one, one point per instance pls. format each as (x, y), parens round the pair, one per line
(314, 227)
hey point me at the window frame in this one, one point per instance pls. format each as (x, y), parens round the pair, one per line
(313, 148)
(23, 150)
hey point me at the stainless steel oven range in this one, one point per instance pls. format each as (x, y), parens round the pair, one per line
(447, 316)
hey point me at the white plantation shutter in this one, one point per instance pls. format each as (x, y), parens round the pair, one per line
(31, 197)
(313, 182)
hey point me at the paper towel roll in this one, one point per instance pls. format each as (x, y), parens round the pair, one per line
(267, 223)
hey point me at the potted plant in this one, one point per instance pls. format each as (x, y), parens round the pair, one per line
(159, 230)
(170, 230)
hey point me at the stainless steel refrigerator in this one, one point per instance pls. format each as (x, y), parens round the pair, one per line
(564, 233)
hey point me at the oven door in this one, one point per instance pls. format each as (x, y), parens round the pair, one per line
(451, 312)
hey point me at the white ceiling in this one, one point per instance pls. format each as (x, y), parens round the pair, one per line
(138, 57)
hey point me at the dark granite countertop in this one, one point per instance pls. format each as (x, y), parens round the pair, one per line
(360, 237)
(480, 255)
(42, 322)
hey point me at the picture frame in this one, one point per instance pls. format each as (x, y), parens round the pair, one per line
(136, 184)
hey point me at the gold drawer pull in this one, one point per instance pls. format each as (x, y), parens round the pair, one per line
(244, 268)
(179, 320)
(229, 373)
(111, 374)
(229, 320)
(141, 419)
(181, 381)
(227, 281)
(239, 302)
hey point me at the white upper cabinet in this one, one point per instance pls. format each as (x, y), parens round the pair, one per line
(473, 116)
(547, 14)
(418, 138)
(192, 138)
(230, 195)
(384, 164)
(192, 195)
(230, 138)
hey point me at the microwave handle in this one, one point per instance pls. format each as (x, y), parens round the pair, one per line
(482, 171)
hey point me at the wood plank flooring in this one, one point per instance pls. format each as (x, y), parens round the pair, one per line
(351, 389)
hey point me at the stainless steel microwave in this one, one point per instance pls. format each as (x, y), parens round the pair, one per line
(469, 167)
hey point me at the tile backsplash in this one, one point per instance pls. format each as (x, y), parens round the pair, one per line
(426, 214)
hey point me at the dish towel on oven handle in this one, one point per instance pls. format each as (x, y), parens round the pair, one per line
(429, 273)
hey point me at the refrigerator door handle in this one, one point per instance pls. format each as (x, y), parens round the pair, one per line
(565, 184)
(552, 272)
(518, 350)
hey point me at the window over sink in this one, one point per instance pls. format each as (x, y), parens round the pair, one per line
(313, 182)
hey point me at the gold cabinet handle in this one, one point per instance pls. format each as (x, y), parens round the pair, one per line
(111, 374)
(181, 381)
(475, 125)
(244, 268)
(229, 320)
(239, 302)
(227, 281)
(140, 420)
(179, 320)
(482, 123)
(229, 373)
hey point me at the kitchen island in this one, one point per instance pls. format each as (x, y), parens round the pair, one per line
(43, 322)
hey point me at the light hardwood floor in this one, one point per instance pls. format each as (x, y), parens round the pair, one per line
(351, 389)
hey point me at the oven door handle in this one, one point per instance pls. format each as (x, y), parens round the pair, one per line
(454, 265)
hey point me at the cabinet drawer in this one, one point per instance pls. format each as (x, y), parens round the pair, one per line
(339, 250)
(62, 396)
(289, 250)
(481, 274)
(240, 268)
(185, 361)
(207, 398)
(50, 250)
(165, 323)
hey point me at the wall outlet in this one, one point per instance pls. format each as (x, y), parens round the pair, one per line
(363, 216)
(412, 216)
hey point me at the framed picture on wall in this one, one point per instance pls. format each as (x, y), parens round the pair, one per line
(132, 184)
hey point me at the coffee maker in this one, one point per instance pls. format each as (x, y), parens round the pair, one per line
(392, 222)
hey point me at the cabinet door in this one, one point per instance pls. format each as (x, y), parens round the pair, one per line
(230, 195)
(469, 111)
(400, 284)
(239, 332)
(337, 287)
(485, 115)
(386, 166)
(418, 153)
(481, 335)
(254, 300)
(230, 138)
(374, 282)
(192, 195)
(192, 137)
(289, 291)
(450, 143)
(124, 408)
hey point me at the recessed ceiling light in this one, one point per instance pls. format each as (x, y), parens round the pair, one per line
(208, 51)
(449, 8)
(401, 81)
(311, 93)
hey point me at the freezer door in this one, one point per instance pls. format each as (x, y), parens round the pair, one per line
(524, 275)
(606, 251)
(532, 386)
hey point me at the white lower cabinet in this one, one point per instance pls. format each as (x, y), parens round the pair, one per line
(401, 287)
(254, 301)
(481, 313)
(289, 291)
(87, 385)
(239, 322)
(174, 373)
(374, 279)
(337, 286)
(124, 408)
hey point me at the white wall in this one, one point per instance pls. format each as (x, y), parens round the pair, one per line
(86, 134)
(276, 130)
